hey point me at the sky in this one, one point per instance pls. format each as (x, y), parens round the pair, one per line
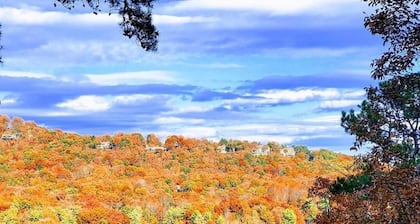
(268, 70)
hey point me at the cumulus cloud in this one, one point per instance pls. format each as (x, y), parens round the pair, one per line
(25, 74)
(93, 103)
(190, 109)
(83, 51)
(129, 99)
(299, 94)
(8, 101)
(88, 103)
(132, 78)
(33, 16)
(336, 104)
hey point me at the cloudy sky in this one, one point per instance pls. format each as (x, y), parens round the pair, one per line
(267, 70)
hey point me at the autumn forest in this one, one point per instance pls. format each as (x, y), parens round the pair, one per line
(50, 176)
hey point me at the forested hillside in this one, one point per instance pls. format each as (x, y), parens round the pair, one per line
(49, 176)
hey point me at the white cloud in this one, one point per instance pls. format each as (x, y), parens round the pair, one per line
(85, 51)
(33, 16)
(58, 113)
(8, 101)
(93, 103)
(129, 99)
(268, 6)
(87, 103)
(132, 78)
(298, 95)
(189, 109)
(176, 120)
(333, 98)
(355, 94)
(25, 74)
(334, 104)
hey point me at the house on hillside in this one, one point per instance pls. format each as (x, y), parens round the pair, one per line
(226, 149)
(9, 137)
(262, 150)
(105, 145)
(287, 151)
(155, 149)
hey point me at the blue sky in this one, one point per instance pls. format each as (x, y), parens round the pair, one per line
(266, 70)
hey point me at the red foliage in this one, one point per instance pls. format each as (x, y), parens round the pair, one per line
(100, 215)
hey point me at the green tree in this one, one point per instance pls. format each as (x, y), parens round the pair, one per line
(174, 215)
(326, 154)
(289, 216)
(302, 148)
(223, 141)
(388, 121)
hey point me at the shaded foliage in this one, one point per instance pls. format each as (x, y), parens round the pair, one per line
(350, 184)
(398, 23)
(393, 197)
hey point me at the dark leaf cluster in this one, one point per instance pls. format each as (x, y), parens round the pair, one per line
(136, 18)
(351, 183)
(398, 23)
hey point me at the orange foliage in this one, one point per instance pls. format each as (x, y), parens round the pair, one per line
(54, 168)
(100, 215)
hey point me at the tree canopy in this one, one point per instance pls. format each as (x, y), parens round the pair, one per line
(382, 192)
(398, 23)
(389, 119)
(388, 123)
